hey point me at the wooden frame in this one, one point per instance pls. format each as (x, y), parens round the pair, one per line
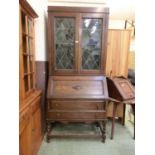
(78, 13)
(52, 54)
(26, 50)
(30, 126)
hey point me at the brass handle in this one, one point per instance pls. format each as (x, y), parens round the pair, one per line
(56, 104)
(77, 87)
(58, 114)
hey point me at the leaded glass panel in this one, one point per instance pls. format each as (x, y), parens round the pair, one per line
(91, 43)
(64, 42)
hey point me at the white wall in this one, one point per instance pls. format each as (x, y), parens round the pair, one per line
(119, 11)
(40, 6)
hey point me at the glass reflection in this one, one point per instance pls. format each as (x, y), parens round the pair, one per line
(91, 43)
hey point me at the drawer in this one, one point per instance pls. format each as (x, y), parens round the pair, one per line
(79, 115)
(35, 105)
(75, 105)
(24, 118)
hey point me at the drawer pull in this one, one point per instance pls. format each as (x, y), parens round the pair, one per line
(77, 87)
(58, 114)
(56, 104)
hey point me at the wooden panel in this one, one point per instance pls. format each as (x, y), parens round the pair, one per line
(75, 105)
(125, 88)
(119, 111)
(70, 115)
(25, 141)
(24, 119)
(117, 53)
(78, 9)
(78, 87)
(120, 89)
(131, 60)
(36, 105)
(36, 130)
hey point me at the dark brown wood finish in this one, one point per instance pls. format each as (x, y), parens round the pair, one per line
(52, 55)
(76, 99)
(120, 90)
(78, 13)
(72, 95)
(75, 87)
(78, 9)
(102, 57)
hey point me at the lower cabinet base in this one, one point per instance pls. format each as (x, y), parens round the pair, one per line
(100, 124)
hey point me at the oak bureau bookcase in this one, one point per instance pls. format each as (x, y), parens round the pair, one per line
(77, 87)
(30, 113)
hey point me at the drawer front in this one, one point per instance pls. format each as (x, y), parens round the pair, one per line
(71, 115)
(24, 119)
(75, 105)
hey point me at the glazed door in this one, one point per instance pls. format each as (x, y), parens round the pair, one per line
(64, 42)
(92, 43)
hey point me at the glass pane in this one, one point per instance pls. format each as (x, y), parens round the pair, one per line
(65, 42)
(31, 81)
(30, 46)
(31, 64)
(25, 63)
(91, 43)
(30, 27)
(26, 83)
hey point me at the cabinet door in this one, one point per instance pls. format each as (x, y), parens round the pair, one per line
(93, 28)
(63, 40)
(36, 130)
(117, 53)
(36, 125)
(26, 141)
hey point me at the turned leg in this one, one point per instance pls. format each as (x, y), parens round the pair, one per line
(133, 108)
(104, 131)
(48, 132)
(102, 126)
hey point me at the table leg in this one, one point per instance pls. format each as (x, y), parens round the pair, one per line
(133, 108)
(123, 119)
(113, 120)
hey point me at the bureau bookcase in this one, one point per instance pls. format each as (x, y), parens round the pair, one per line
(30, 128)
(77, 43)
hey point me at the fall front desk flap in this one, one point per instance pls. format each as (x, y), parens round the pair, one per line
(121, 89)
(77, 87)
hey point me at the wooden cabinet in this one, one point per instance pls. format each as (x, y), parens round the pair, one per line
(26, 49)
(36, 125)
(117, 61)
(30, 134)
(76, 99)
(77, 40)
(117, 53)
(30, 130)
(25, 145)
